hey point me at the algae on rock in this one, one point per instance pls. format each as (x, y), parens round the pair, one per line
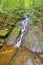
(11, 39)
(3, 33)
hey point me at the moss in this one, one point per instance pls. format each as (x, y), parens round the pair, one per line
(16, 31)
(11, 39)
(4, 32)
(2, 41)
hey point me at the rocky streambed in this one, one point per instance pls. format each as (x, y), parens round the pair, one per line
(24, 45)
(10, 55)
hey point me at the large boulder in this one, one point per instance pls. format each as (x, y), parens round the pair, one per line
(34, 39)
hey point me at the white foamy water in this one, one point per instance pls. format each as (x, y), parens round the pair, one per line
(24, 24)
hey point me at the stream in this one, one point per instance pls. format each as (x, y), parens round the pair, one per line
(24, 24)
(22, 55)
(31, 38)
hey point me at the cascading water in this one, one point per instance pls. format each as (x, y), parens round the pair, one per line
(24, 24)
(12, 40)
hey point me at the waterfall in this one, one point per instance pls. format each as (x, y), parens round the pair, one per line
(24, 24)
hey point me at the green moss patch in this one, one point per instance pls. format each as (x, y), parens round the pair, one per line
(4, 32)
(11, 39)
(2, 41)
(16, 31)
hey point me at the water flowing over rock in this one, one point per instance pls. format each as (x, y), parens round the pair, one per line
(11, 39)
(24, 25)
(31, 36)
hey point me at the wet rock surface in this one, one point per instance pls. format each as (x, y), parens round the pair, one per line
(34, 39)
(11, 39)
(19, 56)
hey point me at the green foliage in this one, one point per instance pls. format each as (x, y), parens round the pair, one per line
(37, 3)
(10, 5)
(33, 7)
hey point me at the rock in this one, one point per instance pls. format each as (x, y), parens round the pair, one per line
(6, 53)
(29, 62)
(41, 56)
(34, 39)
(4, 33)
(11, 39)
(2, 41)
(21, 57)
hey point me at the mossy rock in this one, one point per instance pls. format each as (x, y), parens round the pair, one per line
(2, 41)
(16, 31)
(11, 39)
(4, 33)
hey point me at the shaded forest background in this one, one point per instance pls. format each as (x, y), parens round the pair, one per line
(10, 5)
